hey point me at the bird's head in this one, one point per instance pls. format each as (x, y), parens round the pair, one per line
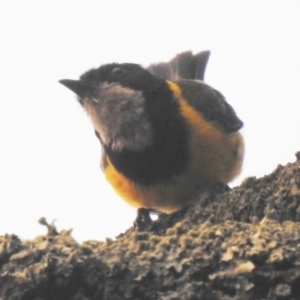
(113, 95)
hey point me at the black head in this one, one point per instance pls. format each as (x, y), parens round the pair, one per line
(115, 97)
(128, 75)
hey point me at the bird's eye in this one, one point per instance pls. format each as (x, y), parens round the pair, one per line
(118, 71)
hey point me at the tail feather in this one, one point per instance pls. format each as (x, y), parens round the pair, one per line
(183, 66)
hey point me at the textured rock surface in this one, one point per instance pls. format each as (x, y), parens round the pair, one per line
(242, 243)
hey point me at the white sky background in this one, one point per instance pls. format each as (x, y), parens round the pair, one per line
(49, 156)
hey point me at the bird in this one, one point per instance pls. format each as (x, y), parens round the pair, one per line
(167, 137)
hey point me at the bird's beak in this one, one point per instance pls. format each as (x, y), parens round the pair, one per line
(80, 88)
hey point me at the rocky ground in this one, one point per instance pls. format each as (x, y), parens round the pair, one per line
(242, 243)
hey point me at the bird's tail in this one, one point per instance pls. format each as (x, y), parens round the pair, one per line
(184, 65)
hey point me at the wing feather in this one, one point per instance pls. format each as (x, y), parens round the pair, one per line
(211, 103)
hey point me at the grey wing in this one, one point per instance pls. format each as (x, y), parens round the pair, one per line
(211, 103)
(183, 66)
